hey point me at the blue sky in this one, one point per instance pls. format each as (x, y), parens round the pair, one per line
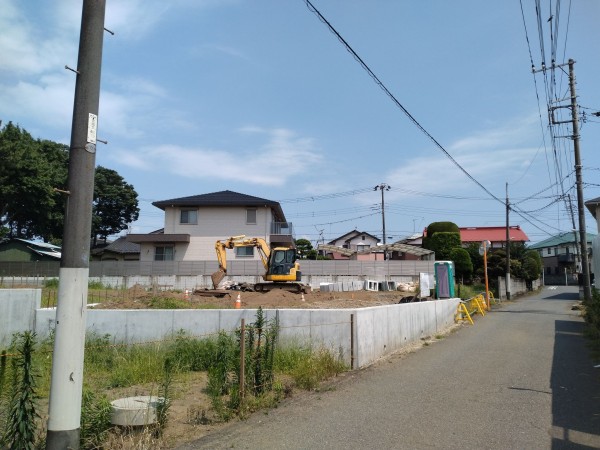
(259, 97)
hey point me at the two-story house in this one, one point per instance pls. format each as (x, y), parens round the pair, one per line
(561, 255)
(193, 225)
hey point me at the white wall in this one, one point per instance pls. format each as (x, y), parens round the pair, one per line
(17, 312)
(378, 331)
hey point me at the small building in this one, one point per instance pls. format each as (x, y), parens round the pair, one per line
(119, 250)
(23, 250)
(352, 243)
(362, 246)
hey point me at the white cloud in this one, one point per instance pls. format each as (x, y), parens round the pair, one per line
(282, 157)
(486, 156)
(25, 49)
(49, 101)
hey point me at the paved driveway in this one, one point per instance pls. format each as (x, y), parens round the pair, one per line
(520, 378)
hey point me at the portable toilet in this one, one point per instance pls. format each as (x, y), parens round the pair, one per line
(444, 279)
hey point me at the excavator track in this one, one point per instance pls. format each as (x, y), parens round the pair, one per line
(297, 288)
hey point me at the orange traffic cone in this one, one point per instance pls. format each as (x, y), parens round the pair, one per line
(238, 302)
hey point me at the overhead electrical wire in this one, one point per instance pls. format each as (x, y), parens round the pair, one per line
(314, 10)
(560, 155)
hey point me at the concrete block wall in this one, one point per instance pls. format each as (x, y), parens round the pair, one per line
(378, 331)
(17, 312)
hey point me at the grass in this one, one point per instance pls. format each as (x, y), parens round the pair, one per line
(111, 368)
(108, 365)
(468, 291)
(308, 367)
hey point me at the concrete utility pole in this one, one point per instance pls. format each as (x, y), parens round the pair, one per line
(587, 288)
(382, 187)
(64, 410)
(507, 279)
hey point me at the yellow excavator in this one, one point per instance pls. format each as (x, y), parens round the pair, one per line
(282, 271)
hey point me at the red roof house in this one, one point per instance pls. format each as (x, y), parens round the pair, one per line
(496, 235)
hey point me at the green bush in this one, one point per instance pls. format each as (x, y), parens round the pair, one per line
(592, 315)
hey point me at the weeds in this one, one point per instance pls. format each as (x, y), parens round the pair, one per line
(22, 415)
(164, 397)
(95, 419)
(167, 303)
(108, 365)
(316, 367)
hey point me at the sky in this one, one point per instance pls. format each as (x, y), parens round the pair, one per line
(260, 97)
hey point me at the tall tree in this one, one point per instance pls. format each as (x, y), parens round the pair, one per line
(27, 179)
(30, 204)
(115, 204)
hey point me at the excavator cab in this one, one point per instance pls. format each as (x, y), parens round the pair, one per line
(282, 261)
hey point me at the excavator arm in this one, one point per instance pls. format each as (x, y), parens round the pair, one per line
(280, 263)
(220, 249)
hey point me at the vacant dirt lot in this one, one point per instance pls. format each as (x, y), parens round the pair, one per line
(139, 298)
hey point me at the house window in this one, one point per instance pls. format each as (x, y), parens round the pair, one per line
(189, 217)
(549, 251)
(251, 216)
(244, 252)
(363, 237)
(361, 247)
(164, 253)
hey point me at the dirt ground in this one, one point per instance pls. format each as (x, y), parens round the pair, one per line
(140, 298)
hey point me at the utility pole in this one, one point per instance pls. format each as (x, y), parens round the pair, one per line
(64, 410)
(382, 187)
(507, 279)
(577, 247)
(587, 289)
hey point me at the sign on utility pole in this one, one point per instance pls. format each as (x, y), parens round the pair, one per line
(64, 409)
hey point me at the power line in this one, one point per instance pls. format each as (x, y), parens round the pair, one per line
(313, 9)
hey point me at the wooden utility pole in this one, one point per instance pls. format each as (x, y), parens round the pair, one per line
(587, 288)
(64, 409)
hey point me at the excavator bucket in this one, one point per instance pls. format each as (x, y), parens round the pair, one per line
(217, 277)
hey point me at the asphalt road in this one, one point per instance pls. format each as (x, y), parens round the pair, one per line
(520, 378)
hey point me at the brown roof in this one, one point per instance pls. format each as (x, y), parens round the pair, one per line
(166, 238)
(222, 198)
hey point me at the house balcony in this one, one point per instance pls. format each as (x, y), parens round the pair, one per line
(566, 259)
(282, 233)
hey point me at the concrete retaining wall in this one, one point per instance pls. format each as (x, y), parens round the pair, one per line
(182, 282)
(378, 331)
(17, 312)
